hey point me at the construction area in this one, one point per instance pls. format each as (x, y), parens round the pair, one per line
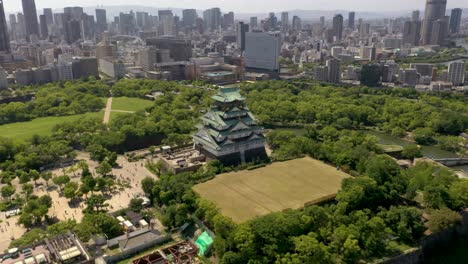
(181, 160)
(292, 184)
(182, 253)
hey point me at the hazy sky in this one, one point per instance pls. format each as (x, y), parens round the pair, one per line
(246, 6)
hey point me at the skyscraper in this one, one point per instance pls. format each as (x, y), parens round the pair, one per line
(333, 66)
(455, 20)
(415, 15)
(241, 30)
(4, 38)
(253, 23)
(338, 27)
(435, 10)
(440, 31)
(49, 16)
(44, 28)
(412, 32)
(189, 17)
(284, 18)
(212, 18)
(101, 21)
(262, 51)
(351, 18)
(296, 23)
(30, 18)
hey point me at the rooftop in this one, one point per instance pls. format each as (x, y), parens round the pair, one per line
(228, 95)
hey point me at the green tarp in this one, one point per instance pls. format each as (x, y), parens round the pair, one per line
(203, 243)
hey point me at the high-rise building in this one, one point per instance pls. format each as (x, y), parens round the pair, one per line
(262, 50)
(166, 23)
(412, 32)
(30, 18)
(435, 10)
(338, 27)
(212, 18)
(73, 13)
(189, 17)
(49, 15)
(253, 23)
(44, 27)
(4, 38)
(142, 19)
(72, 30)
(3, 77)
(179, 49)
(228, 20)
(334, 72)
(351, 19)
(148, 58)
(439, 33)
(415, 15)
(455, 20)
(296, 23)
(242, 29)
(456, 73)
(322, 21)
(284, 21)
(101, 21)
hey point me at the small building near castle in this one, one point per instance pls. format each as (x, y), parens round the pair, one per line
(229, 132)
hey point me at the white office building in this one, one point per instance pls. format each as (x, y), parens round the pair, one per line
(262, 50)
(456, 73)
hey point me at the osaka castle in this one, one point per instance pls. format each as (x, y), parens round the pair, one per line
(229, 131)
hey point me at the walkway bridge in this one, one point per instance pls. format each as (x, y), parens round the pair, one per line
(452, 162)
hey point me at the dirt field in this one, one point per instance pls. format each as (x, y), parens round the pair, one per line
(246, 194)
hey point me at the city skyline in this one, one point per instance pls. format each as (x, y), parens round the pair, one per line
(245, 6)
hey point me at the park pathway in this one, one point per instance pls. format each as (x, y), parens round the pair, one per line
(108, 111)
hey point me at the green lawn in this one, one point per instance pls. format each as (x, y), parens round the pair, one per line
(292, 184)
(130, 104)
(40, 126)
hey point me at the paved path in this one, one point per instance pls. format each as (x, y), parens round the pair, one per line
(108, 111)
(123, 111)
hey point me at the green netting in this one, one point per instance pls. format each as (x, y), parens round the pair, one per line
(203, 243)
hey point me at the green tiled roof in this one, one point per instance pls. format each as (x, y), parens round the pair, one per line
(228, 95)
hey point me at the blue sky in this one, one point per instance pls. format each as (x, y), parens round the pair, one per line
(247, 6)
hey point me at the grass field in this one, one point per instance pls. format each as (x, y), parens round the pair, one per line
(40, 126)
(130, 104)
(292, 184)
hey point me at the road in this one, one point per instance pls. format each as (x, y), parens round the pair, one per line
(108, 111)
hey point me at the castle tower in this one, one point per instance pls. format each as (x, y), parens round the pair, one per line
(229, 131)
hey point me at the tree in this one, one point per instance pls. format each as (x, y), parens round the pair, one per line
(104, 224)
(96, 202)
(359, 193)
(7, 191)
(424, 136)
(458, 194)
(35, 175)
(136, 205)
(28, 189)
(61, 180)
(35, 210)
(371, 75)
(411, 152)
(104, 169)
(71, 191)
(147, 184)
(443, 219)
(46, 177)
